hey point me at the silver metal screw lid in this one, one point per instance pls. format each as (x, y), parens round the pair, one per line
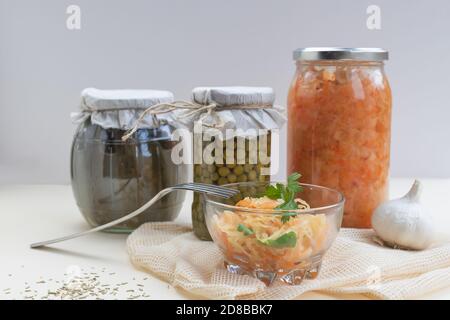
(336, 53)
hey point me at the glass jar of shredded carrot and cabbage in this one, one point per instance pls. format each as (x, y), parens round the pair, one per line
(339, 127)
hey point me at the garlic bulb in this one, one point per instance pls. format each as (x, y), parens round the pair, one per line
(404, 223)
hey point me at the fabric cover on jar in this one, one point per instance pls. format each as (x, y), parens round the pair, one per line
(236, 108)
(120, 109)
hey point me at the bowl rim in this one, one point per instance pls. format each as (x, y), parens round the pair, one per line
(317, 210)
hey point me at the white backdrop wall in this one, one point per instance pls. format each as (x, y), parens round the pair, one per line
(180, 44)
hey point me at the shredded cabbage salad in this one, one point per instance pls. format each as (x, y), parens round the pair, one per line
(271, 241)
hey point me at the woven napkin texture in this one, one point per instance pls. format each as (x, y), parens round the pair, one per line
(354, 264)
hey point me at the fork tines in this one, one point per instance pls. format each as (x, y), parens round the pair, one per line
(209, 189)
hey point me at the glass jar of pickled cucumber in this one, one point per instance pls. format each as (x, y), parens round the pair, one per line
(232, 141)
(112, 178)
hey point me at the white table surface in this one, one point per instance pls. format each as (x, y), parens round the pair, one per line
(39, 212)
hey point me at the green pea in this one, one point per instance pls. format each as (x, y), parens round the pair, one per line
(224, 171)
(248, 167)
(243, 189)
(238, 170)
(262, 178)
(211, 168)
(205, 172)
(206, 180)
(242, 178)
(215, 176)
(237, 198)
(222, 180)
(252, 175)
(231, 166)
(232, 178)
(261, 190)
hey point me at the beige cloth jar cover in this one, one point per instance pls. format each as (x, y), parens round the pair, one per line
(354, 264)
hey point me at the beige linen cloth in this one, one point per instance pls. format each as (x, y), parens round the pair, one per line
(354, 264)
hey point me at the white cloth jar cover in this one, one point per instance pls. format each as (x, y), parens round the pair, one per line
(241, 108)
(120, 109)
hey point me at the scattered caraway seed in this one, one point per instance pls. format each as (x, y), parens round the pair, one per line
(85, 285)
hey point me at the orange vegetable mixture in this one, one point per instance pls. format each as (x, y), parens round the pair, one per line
(339, 132)
(247, 251)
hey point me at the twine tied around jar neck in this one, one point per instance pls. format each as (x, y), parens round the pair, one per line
(193, 108)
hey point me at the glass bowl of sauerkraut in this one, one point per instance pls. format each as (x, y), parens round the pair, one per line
(275, 239)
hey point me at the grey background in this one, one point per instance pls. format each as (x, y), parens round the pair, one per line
(180, 44)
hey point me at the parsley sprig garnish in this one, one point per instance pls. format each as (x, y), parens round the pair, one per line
(287, 194)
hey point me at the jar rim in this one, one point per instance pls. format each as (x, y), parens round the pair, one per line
(339, 202)
(340, 53)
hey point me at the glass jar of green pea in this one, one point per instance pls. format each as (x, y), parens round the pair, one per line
(237, 125)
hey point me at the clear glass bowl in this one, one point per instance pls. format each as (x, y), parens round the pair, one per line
(273, 244)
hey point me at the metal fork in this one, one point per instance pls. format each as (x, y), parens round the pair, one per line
(196, 187)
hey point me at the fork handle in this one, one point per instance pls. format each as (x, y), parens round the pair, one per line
(108, 225)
